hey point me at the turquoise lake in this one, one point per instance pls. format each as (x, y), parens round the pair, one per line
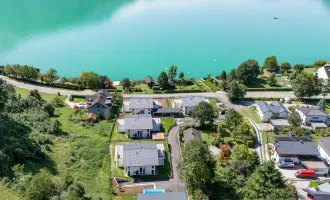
(137, 38)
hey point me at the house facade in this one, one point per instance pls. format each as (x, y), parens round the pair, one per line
(99, 102)
(138, 126)
(324, 149)
(139, 159)
(140, 106)
(310, 115)
(187, 104)
(274, 110)
(323, 72)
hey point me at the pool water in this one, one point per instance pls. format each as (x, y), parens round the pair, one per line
(153, 191)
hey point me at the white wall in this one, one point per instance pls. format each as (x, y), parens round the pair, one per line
(141, 111)
(307, 119)
(148, 170)
(176, 104)
(145, 132)
(265, 117)
(280, 159)
(323, 154)
(120, 128)
(126, 107)
(321, 73)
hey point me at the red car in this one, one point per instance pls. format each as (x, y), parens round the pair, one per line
(304, 173)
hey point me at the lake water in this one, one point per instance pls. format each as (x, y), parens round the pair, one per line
(124, 38)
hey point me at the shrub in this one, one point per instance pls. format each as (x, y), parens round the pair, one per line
(269, 89)
(71, 98)
(249, 143)
(155, 88)
(182, 91)
(157, 92)
(314, 184)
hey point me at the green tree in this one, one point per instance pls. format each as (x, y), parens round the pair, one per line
(243, 133)
(204, 113)
(294, 118)
(172, 72)
(91, 79)
(263, 182)
(51, 75)
(57, 102)
(322, 104)
(232, 76)
(162, 80)
(223, 85)
(248, 71)
(235, 91)
(270, 63)
(107, 114)
(198, 166)
(271, 80)
(126, 83)
(181, 75)
(41, 186)
(319, 63)
(285, 67)
(232, 118)
(299, 67)
(35, 94)
(306, 85)
(223, 75)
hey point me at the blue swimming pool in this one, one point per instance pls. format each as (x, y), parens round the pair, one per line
(153, 191)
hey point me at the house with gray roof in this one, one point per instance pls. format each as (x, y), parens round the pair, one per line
(294, 149)
(140, 106)
(310, 116)
(138, 126)
(324, 148)
(163, 196)
(99, 102)
(139, 158)
(191, 134)
(187, 104)
(274, 110)
(323, 72)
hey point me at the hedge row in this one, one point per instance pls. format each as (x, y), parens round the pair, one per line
(183, 91)
(269, 89)
(278, 99)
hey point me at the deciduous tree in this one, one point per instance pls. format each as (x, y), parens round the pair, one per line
(204, 113)
(91, 79)
(294, 118)
(271, 80)
(235, 91)
(299, 67)
(270, 63)
(285, 67)
(322, 104)
(319, 63)
(233, 118)
(306, 85)
(162, 80)
(126, 83)
(223, 75)
(172, 72)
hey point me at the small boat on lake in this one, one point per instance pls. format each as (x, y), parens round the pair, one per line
(275, 17)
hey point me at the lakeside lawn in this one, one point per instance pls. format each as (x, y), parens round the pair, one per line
(252, 114)
(78, 100)
(211, 85)
(261, 82)
(47, 97)
(310, 70)
(167, 122)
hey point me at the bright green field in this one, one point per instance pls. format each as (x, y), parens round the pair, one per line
(252, 114)
(167, 122)
(211, 85)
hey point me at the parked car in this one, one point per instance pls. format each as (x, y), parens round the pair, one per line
(284, 164)
(304, 173)
(82, 105)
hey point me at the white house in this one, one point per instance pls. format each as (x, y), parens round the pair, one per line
(139, 158)
(324, 72)
(187, 104)
(310, 116)
(274, 110)
(138, 126)
(140, 106)
(324, 148)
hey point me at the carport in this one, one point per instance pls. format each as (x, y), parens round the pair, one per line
(317, 125)
(318, 166)
(167, 112)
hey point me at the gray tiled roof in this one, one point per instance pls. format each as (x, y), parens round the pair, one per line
(191, 101)
(163, 196)
(274, 107)
(142, 154)
(190, 134)
(297, 148)
(100, 97)
(263, 106)
(313, 112)
(140, 103)
(325, 144)
(138, 122)
(286, 138)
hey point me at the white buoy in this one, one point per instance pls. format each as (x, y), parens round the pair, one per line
(214, 60)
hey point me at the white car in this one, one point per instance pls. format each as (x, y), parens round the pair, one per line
(82, 105)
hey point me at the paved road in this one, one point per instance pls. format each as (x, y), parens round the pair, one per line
(45, 89)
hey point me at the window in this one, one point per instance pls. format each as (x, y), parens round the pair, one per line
(129, 131)
(128, 173)
(152, 172)
(140, 169)
(148, 130)
(315, 118)
(152, 167)
(142, 111)
(128, 168)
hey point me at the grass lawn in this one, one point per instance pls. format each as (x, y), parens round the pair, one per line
(310, 69)
(47, 97)
(327, 110)
(261, 82)
(167, 122)
(119, 136)
(207, 137)
(78, 100)
(8, 194)
(127, 197)
(142, 86)
(252, 114)
(202, 86)
(213, 104)
(169, 103)
(211, 85)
